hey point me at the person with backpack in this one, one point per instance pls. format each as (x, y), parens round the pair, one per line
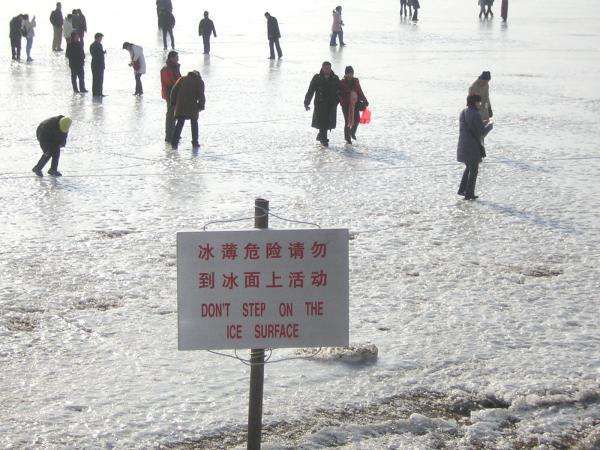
(76, 56)
(352, 101)
(205, 29)
(273, 35)
(187, 99)
(325, 87)
(169, 75)
(57, 21)
(15, 35)
(470, 149)
(166, 23)
(98, 64)
(52, 135)
(138, 63)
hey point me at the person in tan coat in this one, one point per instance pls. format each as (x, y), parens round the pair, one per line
(187, 99)
(481, 87)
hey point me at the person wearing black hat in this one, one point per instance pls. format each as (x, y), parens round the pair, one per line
(273, 34)
(325, 87)
(470, 149)
(352, 101)
(481, 87)
(98, 53)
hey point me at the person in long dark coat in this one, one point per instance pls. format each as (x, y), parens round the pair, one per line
(52, 135)
(325, 86)
(470, 149)
(16, 35)
(76, 56)
(188, 99)
(206, 27)
(98, 65)
(273, 35)
(504, 10)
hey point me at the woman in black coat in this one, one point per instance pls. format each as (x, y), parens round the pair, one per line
(471, 150)
(325, 86)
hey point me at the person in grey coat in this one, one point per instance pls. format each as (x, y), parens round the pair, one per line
(471, 150)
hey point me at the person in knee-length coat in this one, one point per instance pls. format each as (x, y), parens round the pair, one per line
(470, 149)
(325, 87)
(188, 99)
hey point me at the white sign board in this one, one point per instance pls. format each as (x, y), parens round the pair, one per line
(262, 288)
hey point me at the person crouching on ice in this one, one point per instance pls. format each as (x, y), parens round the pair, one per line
(52, 135)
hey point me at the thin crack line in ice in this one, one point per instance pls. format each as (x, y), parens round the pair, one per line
(298, 172)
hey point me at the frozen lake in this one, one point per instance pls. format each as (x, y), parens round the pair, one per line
(472, 305)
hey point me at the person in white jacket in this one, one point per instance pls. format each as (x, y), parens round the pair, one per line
(68, 27)
(138, 62)
(29, 32)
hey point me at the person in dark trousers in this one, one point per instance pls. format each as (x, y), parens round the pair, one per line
(336, 27)
(470, 149)
(352, 101)
(187, 98)
(485, 8)
(163, 5)
(169, 75)
(76, 57)
(166, 22)
(325, 86)
(205, 29)
(504, 10)
(16, 34)
(57, 20)
(138, 63)
(415, 6)
(98, 55)
(273, 34)
(52, 135)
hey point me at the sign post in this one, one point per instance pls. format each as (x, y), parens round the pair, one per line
(262, 288)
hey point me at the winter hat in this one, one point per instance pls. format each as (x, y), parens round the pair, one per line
(485, 76)
(348, 70)
(64, 124)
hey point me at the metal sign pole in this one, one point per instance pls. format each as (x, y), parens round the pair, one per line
(257, 356)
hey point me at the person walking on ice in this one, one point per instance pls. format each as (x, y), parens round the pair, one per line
(336, 28)
(187, 99)
(325, 87)
(52, 135)
(273, 35)
(57, 20)
(206, 27)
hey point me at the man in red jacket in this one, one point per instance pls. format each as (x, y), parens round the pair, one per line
(169, 75)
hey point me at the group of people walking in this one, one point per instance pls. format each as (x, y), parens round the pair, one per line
(485, 9)
(21, 27)
(410, 9)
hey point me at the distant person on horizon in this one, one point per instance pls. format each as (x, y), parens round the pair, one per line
(485, 8)
(138, 63)
(98, 64)
(273, 34)
(52, 135)
(206, 28)
(16, 34)
(504, 10)
(169, 75)
(325, 87)
(404, 8)
(352, 101)
(29, 33)
(163, 5)
(470, 149)
(481, 87)
(166, 22)
(187, 99)
(57, 21)
(76, 56)
(79, 24)
(336, 28)
(415, 6)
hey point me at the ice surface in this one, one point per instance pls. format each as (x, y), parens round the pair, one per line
(497, 298)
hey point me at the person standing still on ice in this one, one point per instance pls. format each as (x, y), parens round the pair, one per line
(68, 28)
(29, 32)
(481, 87)
(163, 5)
(504, 10)
(325, 86)
(187, 98)
(166, 22)
(470, 149)
(138, 63)
(16, 34)
(205, 29)
(98, 56)
(76, 56)
(352, 101)
(273, 34)
(57, 21)
(415, 6)
(336, 28)
(169, 75)
(486, 8)
(52, 135)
